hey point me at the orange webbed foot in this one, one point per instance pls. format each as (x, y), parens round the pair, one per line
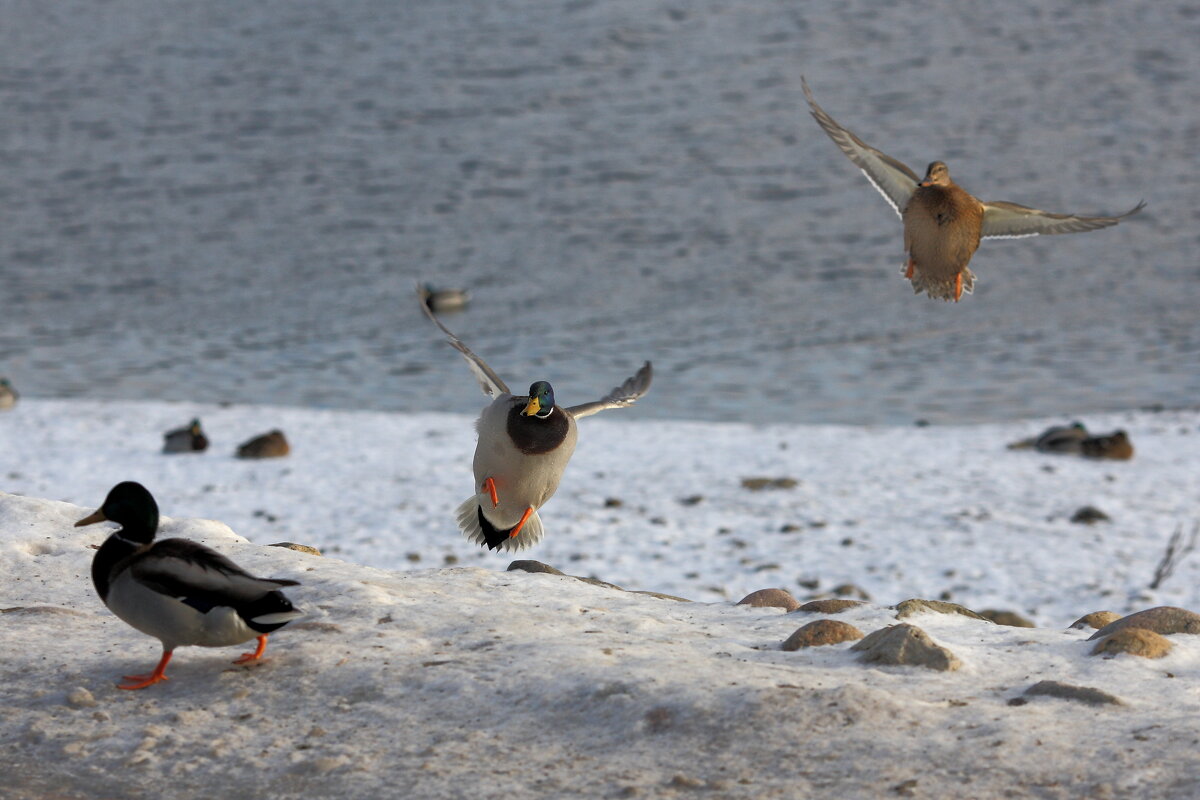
(246, 658)
(524, 518)
(958, 286)
(910, 269)
(142, 681)
(490, 486)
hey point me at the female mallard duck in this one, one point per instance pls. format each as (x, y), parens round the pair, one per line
(179, 591)
(8, 395)
(524, 446)
(943, 224)
(269, 445)
(1115, 446)
(190, 439)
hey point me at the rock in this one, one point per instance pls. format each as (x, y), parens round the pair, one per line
(300, 548)
(1066, 691)
(771, 598)
(821, 632)
(613, 502)
(1135, 641)
(1096, 619)
(917, 606)
(830, 605)
(530, 565)
(758, 484)
(1089, 515)
(80, 697)
(692, 500)
(269, 445)
(660, 595)
(850, 590)
(1163, 619)
(1010, 618)
(907, 645)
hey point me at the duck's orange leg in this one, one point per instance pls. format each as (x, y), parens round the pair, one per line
(908, 270)
(490, 486)
(524, 518)
(142, 681)
(246, 658)
(957, 286)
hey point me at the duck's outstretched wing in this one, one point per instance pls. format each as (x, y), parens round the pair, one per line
(894, 180)
(1003, 220)
(624, 395)
(489, 381)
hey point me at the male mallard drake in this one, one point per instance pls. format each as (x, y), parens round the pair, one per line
(524, 446)
(185, 440)
(269, 445)
(943, 224)
(8, 395)
(1056, 439)
(179, 591)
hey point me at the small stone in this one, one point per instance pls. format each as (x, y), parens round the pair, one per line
(830, 605)
(413, 558)
(850, 590)
(1096, 619)
(300, 548)
(1010, 618)
(613, 502)
(1163, 619)
(1089, 515)
(821, 632)
(692, 500)
(684, 782)
(1066, 691)
(660, 595)
(758, 484)
(789, 527)
(905, 644)
(450, 559)
(80, 697)
(771, 598)
(1135, 641)
(529, 565)
(906, 788)
(916, 606)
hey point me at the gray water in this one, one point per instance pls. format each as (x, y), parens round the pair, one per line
(230, 201)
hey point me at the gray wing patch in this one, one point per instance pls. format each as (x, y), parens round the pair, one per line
(892, 178)
(489, 381)
(624, 395)
(1003, 220)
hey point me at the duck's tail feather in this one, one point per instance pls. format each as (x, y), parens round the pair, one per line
(476, 527)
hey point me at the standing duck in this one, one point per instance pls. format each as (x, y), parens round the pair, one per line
(524, 446)
(8, 395)
(176, 590)
(189, 439)
(943, 223)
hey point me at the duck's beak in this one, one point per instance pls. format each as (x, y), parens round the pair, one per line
(532, 407)
(91, 519)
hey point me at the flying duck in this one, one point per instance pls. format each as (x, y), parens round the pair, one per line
(176, 590)
(524, 445)
(943, 224)
(188, 439)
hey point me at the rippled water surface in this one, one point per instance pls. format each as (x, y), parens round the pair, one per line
(230, 201)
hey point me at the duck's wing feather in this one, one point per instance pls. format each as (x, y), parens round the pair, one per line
(624, 395)
(1003, 220)
(190, 571)
(489, 381)
(894, 180)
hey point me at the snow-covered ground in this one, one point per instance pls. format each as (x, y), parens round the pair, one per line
(425, 670)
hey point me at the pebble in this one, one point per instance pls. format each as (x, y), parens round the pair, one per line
(916, 606)
(1066, 691)
(905, 644)
(1163, 619)
(1135, 642)
(771, 598)
(1010, 618)
(1096, 619)
(80, 697)
(820, 633)
(830, 605)
(300, 548)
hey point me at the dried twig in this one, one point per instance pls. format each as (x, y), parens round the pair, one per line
(1177, 550)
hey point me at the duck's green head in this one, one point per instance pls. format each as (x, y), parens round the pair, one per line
(133, 507)
(195, 426)
(541, 400)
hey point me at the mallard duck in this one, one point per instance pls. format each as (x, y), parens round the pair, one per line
(1115, 446)
(185, 440)
(269, 445)
(179, 591)
(8, 395)
(943, 224)
(524, 445)
(1055, 439)
(441, 300)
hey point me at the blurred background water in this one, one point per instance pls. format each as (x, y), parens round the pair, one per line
(229, 201)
